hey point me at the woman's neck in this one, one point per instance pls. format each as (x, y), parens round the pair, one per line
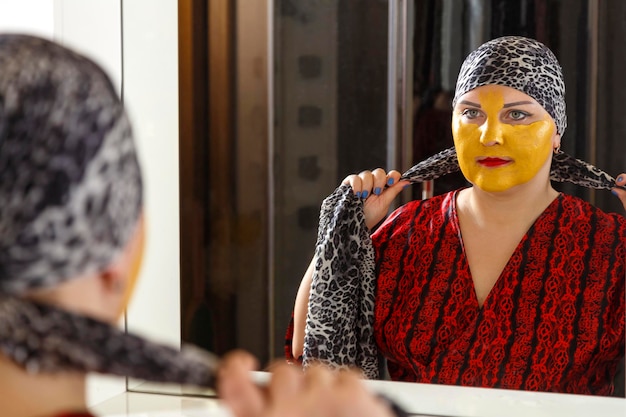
(26, 395)
(521, 204)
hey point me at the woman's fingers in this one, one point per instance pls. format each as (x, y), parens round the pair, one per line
(355, 182)
(290, 392)
(372, 183)
(367, 183)
(378, 188)
(380, 180)
(316, 397)
(236, 388)
(393, 177)
(338, 393)
(285, 384)
(348, 388)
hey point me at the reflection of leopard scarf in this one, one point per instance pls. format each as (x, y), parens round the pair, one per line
(339, 325)
(70, 198)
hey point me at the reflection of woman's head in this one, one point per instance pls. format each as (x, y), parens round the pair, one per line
(509, 113)
(521, 63)
(70, 187)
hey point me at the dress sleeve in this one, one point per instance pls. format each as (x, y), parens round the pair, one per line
(288, 343)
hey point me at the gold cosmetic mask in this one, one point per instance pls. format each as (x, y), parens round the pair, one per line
(139, 241)
(526, 146)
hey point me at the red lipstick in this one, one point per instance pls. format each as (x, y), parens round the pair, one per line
(493, 162)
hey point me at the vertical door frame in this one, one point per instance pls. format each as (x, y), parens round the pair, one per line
(400, 84)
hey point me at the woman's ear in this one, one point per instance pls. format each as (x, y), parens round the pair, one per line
(112, 285)
(112, 280)
(118, 280)
(556, 143)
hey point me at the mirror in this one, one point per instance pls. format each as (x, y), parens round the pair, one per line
(285, 98)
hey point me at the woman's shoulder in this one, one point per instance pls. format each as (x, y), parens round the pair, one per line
(578, 214)
(576, 206)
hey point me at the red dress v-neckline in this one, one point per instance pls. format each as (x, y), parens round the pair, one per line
(456, 224)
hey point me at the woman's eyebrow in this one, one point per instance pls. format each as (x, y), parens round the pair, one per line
(517, 103)
(469, 103)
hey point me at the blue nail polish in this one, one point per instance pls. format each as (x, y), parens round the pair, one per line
(620, 178)
(377, 190)
(614, 193)
(358, 194)
(364, 194)
(390, 181)
(406, 186)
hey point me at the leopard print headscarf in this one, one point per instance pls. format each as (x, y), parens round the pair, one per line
(521, 63)
(340, 317)
(70, 187)
(70, 199)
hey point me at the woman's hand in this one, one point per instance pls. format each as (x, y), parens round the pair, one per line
(378, 188)
(290, 392)
(619, 192)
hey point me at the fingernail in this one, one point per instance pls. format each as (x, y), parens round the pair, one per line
(406, 186)
(377, 190)
(614, 192)
(358, 194)
(620, 178)
(390, 181)
(364, 194)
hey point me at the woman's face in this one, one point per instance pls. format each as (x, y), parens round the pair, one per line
(502, 136)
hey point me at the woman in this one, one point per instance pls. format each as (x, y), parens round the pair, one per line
(71, 241)
(507, 283)
(71, 235)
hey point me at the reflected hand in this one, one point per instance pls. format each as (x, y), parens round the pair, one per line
(318, 392)
(378, 188)
(620, 192)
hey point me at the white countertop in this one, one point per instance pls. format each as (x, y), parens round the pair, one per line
(418, 399)
(158, 405)
(446, 400)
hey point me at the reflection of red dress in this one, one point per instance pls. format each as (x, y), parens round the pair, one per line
(554, 320)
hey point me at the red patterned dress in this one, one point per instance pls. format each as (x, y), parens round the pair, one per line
(554, 320)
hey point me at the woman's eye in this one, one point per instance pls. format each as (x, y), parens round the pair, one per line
(470, 113)
(518, 114)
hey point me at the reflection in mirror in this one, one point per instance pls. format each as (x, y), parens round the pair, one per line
(446, 31)
(583, 49)
(249, 214)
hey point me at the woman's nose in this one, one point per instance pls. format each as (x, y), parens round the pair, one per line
(491, 133)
